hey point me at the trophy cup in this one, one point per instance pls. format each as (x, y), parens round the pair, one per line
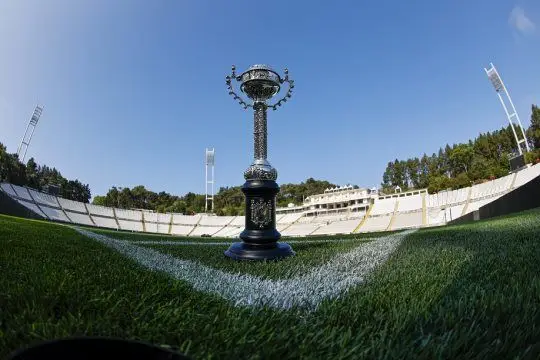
(260, 236)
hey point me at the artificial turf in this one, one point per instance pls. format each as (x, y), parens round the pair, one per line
(468, 291)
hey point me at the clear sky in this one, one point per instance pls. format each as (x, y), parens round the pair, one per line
(135, 90)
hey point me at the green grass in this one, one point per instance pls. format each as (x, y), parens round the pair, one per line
(307, 257)
(468, 291)
(133, 236)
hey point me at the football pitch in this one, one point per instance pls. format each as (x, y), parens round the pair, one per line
(465, 291)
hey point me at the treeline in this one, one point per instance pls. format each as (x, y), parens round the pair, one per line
(141, 198)
(485, 158)
(35, 176)
(228, 200)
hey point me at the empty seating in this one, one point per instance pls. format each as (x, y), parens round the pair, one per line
(130, 225)
(205, 230)
(181, 229)
(33, 207)
(54, 214)
(149, 216)
(224, 231)
(164, 218)
(100, 210)
(72, 205)
(526, 175)
(407, 220)
(453, 212)
(338, 227)
(410, 203)
(105, 222)
(186, 219)
(44, 199)
(305, 220)
(78, 218)
(215, 220)
(162, 228)
(22, 192)
(436, 216)
(240, 221)
(151, 227)
(289, 218)
(300, 229)
(8, 189)
(378, 223)
(384, 206)
(128, 214)
(440, 208)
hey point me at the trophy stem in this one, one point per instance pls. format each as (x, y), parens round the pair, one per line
(260, 131)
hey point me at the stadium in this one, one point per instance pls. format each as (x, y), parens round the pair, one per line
(439, 262)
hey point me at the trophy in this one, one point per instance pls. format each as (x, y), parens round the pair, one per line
(260, 237)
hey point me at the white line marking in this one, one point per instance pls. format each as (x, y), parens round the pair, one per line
(326, 281)
(165, 242)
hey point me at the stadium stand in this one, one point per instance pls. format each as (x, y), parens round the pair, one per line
(8, 190)
(349, 214)
(130, 225)
(179, 219)
(181, 229)
(150, 216)
(78, 218)
(410, 203)
(105, 222)
(337, 227)
(133, 215)
(22, 193)
(54, 214)
(100, 210)
(376, 223)
(70, 205)
(407, 220)
(44, 199)
(33, 207)
(300, 229)
(205, 230)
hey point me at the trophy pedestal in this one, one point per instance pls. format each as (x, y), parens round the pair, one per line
(246, 251)
(259, 238)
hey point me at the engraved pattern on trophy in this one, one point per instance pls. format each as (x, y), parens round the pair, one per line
(256, 172)
(259, 131)
(261, 212)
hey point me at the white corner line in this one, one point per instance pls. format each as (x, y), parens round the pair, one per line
(327, 281)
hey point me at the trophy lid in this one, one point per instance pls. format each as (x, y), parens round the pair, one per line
(260, 67)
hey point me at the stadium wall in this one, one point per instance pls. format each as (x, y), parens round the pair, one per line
(9, 206)
(525, 197)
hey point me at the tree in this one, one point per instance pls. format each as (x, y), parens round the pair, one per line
(461, 158)
(99, 200)
(533, 132)
(485, 157)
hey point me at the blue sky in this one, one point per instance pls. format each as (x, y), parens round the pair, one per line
(135, 90)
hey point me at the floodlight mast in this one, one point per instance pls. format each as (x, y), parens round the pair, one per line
(29, 132)
(209, 196)
(498, 84)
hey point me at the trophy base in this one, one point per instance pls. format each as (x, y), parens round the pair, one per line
(271, 251)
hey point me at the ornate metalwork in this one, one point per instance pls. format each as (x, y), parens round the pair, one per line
(259, 131)
(260, 172)
(261, 212)
(260, 83)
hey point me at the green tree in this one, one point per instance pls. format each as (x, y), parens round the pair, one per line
(533, 133)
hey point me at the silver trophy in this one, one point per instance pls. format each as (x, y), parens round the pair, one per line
(259, 239)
